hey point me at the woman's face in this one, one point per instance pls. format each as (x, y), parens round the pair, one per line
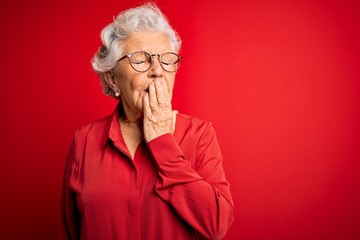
(131, 83)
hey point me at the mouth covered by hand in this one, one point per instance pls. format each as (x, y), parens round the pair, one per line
(158, 113)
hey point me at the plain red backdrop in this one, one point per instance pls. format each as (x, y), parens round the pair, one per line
(278, 79)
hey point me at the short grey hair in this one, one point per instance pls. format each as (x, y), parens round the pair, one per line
(145, 18)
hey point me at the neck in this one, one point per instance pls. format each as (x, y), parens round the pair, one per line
(129, 123)
(129, 119)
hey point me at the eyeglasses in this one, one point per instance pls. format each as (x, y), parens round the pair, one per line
(140, 61)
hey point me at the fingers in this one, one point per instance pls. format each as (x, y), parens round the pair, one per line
(161, 92)
(146, 105)
(159, 118)
(152, 96)
(158, 94)
(174, 113)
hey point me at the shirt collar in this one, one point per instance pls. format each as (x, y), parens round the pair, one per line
(112, 129)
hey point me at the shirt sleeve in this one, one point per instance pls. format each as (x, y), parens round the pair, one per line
(69, 224)
(199, 193)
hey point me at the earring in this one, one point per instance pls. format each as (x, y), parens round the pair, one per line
(117, 92)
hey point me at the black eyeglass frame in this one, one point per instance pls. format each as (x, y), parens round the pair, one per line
(128, 56)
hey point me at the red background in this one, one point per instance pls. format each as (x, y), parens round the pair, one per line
(278, 79)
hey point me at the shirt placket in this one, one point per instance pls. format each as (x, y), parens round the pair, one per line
(133, 200)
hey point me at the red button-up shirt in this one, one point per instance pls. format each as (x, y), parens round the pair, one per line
(174, 188)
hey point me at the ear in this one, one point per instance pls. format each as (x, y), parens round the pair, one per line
(110, 79)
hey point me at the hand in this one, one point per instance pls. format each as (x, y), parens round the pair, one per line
(159, 118)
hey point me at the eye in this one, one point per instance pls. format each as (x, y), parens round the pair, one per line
(139, 58)
(169, 58)
(166, 63)
(138, 61)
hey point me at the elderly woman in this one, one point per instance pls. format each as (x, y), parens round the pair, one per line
(145, 171)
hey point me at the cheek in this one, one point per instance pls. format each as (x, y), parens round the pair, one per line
(171, 83)
(128, 80)
(138, 81)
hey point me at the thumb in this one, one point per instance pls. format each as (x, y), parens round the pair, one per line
(174, 113)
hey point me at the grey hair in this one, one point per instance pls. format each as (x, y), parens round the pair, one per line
(145, 18)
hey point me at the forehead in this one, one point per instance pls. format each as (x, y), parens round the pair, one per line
(152, 42)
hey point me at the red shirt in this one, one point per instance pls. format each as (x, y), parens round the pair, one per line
(174, 188)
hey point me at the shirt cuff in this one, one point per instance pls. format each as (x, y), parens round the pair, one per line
(164, 148)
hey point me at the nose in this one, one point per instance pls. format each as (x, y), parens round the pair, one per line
(155, 71)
